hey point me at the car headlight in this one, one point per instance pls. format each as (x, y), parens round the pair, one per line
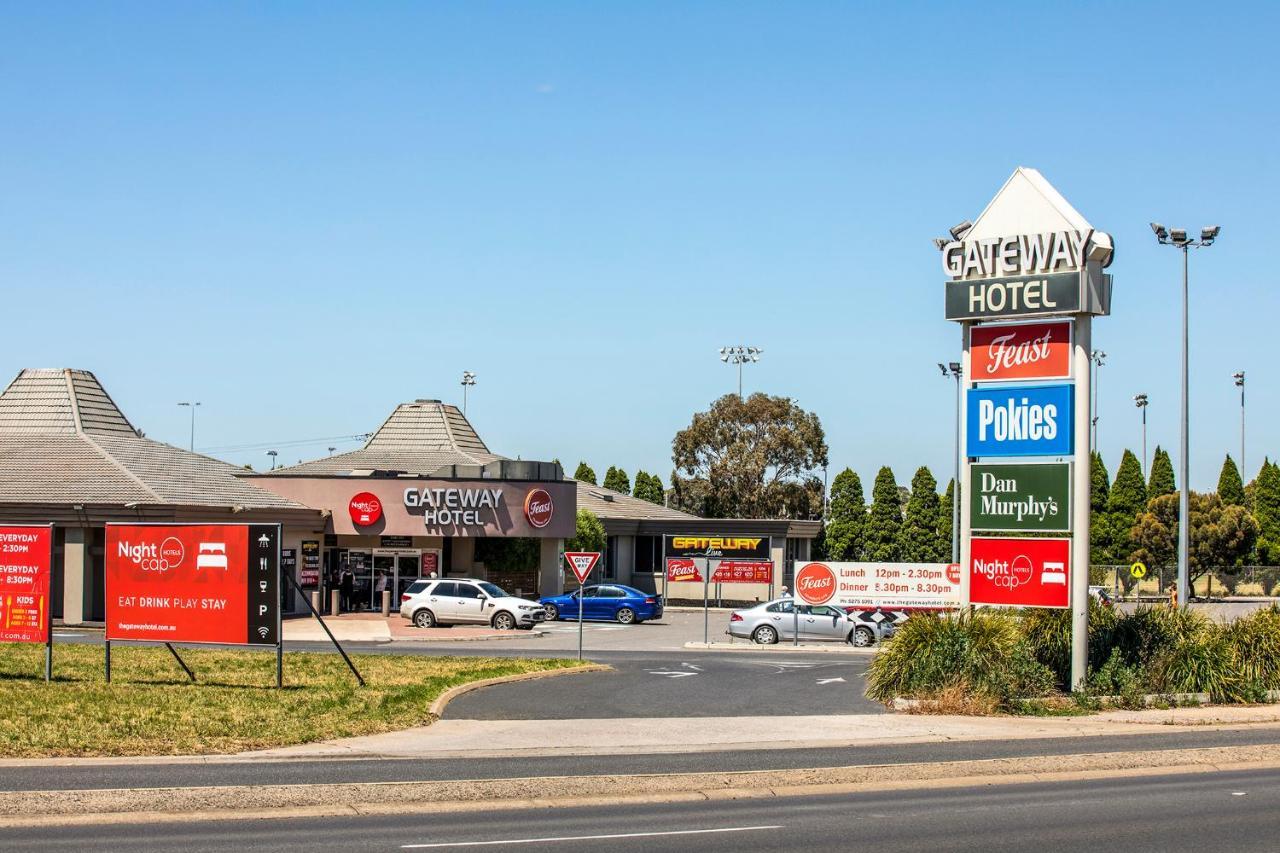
(530, 607)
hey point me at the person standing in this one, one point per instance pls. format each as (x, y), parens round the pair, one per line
(346, 586)
(379, 587)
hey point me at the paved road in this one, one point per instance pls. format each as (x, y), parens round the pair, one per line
(303, 772)
(686, 684)
(1218, 811)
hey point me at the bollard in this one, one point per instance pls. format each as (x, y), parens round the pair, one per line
(335, 602)
(386, 603)
(315, 600)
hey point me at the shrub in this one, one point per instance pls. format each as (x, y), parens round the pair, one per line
(1048, 633)
(1201, 663)
(1255, 646)
(1144, 634)
(981, 654)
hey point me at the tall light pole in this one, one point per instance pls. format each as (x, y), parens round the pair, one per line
(468, 381)
(953, 369)
(1239, 378)
(193, 407)
(1140, 400)
(1177, 237)
(740, 355)
(273, 454)
(1098, 358)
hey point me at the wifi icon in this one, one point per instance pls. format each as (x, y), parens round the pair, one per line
(263, 630)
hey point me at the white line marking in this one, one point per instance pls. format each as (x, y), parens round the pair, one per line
(829, 680)
(586, 837)
(672, 673)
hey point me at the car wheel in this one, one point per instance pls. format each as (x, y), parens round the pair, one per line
(765, 635)
(626, 615)
(424, 619)
(862, 638)
(504, 621)
(553, 612)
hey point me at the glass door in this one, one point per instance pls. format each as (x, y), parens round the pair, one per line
(408, 568)
(384, 569)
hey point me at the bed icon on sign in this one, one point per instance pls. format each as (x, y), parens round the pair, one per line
(1054, 573)
(213, 555)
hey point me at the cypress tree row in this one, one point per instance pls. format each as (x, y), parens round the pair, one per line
(846, 519)
(1266, 510)
(1161, 482)
(1127, 500)
(884, 520)
(918, 535)
(616, 479)
(946, 515)
(584, 474)
(1230, 486)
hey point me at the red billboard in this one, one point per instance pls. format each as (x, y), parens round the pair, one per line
(743, 571)
(1020, 351)
(682, 570)
(193, 583)
(1020, 572)
(26, 557)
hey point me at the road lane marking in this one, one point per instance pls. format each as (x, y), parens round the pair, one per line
(563, 838)
(829, 680)
(672, 673)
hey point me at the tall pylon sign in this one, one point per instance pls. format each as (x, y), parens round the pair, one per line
(1024, 281)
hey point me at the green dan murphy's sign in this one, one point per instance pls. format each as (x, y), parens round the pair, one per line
(1022, 496)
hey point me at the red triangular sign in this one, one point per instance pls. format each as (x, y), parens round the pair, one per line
(582, 562)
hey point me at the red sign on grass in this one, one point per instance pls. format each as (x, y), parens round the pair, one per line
(215, 583)
(26, 557)
(1020, 572)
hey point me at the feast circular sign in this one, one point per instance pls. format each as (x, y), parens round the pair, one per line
(816, 584)
(365, 509)
(538, 508)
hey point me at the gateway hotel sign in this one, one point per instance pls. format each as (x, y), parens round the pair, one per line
(444, 507)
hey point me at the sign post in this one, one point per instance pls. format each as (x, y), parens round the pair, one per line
(26, 565)
(582, 562)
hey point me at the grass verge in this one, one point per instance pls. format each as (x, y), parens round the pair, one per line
(150, 708)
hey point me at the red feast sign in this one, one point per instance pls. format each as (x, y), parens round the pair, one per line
(216, 583)
(743, 571)
(365, 509)
(539, 508)
(815, 584)
(682, 570)
(1020, 351)
(26, 557)
(582, 562)
(1020, 572)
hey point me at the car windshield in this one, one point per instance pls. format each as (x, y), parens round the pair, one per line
(494, 590)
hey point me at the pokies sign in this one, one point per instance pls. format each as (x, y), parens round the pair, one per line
(1020, 351)
(1020, 572)
(1024, 420)
(193, 583)
(26, 559)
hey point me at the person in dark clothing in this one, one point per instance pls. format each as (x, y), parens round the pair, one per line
(346, 586)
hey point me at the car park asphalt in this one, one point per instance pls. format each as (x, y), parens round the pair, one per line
(1237, 811)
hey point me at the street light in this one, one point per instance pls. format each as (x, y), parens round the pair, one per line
(273, 455)
(193, 407)
(1177, 237)
(1140, 400)
(468, 381)
(1098, 358)
(1239, 378)
(740, 355)
(953, 369)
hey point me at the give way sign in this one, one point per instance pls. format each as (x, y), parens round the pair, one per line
(582, 562)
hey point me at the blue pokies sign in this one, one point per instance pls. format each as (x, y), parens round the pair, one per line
(1022, 420)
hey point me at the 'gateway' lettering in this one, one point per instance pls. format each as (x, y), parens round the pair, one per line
(701, 543)
(1025, 255)
(453, 498)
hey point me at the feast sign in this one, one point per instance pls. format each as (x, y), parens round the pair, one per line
(26, 559)
(815, 584)
(1020, 572)
(193, 583)
(1020, 351)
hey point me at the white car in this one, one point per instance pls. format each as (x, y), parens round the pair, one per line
(433, 602)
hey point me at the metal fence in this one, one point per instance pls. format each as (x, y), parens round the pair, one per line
(1160, 580)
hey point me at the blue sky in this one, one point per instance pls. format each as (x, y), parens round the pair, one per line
(301, 214)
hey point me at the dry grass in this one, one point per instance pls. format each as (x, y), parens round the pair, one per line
(150, 708)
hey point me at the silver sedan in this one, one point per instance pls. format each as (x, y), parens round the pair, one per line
(780, 619)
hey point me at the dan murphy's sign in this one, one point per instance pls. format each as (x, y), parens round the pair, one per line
(1020, 496)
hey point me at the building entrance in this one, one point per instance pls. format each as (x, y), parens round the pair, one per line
(393, 569)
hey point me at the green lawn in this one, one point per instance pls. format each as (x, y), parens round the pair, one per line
(150, 708)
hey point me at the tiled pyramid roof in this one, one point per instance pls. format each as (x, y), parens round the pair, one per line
(63, 440)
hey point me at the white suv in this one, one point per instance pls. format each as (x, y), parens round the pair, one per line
(467, 601)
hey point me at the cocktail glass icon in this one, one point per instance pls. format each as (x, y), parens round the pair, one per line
(262, 585)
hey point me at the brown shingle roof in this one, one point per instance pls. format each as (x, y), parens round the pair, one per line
(63, 440)
(606, 503)
(421, 438)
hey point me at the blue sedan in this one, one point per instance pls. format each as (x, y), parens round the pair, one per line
(612, 602)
